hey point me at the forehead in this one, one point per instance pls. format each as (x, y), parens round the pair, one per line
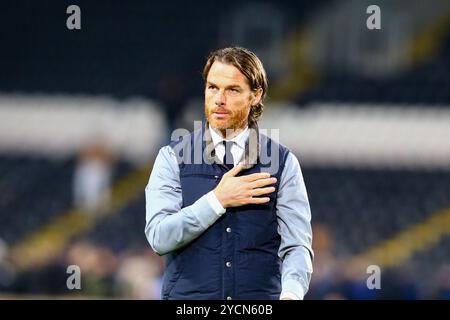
(226, 74)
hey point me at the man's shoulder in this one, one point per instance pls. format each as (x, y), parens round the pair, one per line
(185, 138)
(265, 140)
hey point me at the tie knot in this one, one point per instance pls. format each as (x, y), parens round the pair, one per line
(228, 158)
(228, 144)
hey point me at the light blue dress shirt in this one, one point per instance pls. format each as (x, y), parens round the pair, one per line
(169, 227)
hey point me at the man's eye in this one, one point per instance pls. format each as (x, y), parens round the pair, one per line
(211, 87)
(234, 90)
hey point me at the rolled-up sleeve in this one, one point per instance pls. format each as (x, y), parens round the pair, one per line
(168, 225)
(294, 227)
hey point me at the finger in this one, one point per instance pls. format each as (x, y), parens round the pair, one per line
(261, 191)
(262, 182)
(258, 200)
(233, 172)
(256, 176)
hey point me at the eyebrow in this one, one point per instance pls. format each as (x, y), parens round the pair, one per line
(231, 86)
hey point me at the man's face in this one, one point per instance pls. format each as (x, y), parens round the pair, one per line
(228, 97)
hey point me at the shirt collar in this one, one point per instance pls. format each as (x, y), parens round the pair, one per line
(240, 139)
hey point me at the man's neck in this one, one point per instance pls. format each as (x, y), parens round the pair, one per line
(228, 134)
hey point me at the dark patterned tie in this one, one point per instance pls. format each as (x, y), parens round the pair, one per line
(228, 158)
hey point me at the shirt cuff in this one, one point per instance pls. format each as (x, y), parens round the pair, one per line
(215, 203)
(292, 289)
(289, 295)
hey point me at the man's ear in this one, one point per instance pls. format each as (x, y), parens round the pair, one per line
(257, 95)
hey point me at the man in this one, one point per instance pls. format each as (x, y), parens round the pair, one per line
(229, 229)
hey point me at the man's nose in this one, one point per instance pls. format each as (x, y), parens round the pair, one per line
(220, 98)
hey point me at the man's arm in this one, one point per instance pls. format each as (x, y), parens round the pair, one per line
(294, 227)
(168, 226)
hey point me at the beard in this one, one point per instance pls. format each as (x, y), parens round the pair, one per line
(233, 120)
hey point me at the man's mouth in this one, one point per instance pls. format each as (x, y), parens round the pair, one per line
(220, 112)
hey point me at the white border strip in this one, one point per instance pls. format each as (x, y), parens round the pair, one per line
(58, 126)
(365, 135)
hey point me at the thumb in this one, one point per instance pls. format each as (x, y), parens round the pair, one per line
(233, 172)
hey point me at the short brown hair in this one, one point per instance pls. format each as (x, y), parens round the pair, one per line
(249, 64)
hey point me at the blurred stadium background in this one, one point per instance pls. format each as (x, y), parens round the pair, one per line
(83, 113)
